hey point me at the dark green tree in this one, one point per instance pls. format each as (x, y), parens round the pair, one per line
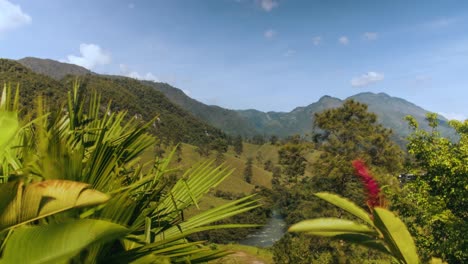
(268, 165)
(347, 133)
(248, 172)
(238, 146)
(273, 140)
(292, 159)
(258, 140)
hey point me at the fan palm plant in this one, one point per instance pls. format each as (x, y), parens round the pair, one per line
(91, 156)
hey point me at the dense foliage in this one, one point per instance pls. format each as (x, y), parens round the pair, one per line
(61, 161)
(346, 133)
(434, 205)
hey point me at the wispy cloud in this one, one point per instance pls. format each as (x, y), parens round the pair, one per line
(187, 92)
(269, 34)
(267, 5)
(370, 35)
(125, 70)
(366, 79)
(12, 17)
(317, 40)
(91, 55)
(289, 53)
(343, 40)
(440, 23)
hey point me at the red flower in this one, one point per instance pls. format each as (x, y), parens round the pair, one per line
(371, 186)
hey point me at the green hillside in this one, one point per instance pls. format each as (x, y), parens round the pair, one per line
(173, 124)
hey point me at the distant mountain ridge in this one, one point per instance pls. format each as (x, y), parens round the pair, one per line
(173, 123)
(390, 110)
(54, 69)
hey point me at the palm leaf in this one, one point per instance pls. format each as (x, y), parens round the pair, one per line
(25, 203)
(57, 243)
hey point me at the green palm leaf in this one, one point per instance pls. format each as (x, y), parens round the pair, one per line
(22, 203)
(57, 243)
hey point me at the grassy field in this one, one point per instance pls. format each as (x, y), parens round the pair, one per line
(242, 254)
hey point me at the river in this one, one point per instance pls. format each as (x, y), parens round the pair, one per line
(268, 234)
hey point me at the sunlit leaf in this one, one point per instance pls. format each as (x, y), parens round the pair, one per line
(396, 236)
(57, 243)
(330, 227)
(24, 203)
(8, 127)
(346, 205)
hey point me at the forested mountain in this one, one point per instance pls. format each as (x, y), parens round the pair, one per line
(390, 110)
(173, 123)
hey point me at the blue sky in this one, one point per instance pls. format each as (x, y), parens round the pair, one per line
(262, 54)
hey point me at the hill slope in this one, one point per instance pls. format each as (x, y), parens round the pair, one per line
(174, 123)
(54, 69)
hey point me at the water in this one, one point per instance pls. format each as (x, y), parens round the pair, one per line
(268, 234)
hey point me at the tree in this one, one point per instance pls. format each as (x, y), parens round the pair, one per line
(238, 146)
(273, 140)
(258, 139)
(344, 134)
(435, 204)
(268, 165)
(293, 161)
(248, 172)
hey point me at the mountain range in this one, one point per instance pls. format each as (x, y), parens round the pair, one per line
(172, 123)
(390, 110)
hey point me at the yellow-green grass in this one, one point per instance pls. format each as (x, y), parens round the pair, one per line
(234, 183)
(242, 254)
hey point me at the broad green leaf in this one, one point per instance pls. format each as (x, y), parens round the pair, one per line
(8, 127)
(396, 236)
(24, 203)
(365, 240)
(57, 243)
(330, 227)
(346, 205)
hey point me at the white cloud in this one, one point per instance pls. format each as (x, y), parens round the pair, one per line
(289, 52)
(124, 70)
(267, 5)
(12, 17)
(454, 116)
(187, 92)
(440, 23)
(343, 40)
(269, 34)
(366, 79)
(370, 35)
(317, 40)
(91, 55)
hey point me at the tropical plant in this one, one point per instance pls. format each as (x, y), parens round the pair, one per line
(82, 155)
(380, 230)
